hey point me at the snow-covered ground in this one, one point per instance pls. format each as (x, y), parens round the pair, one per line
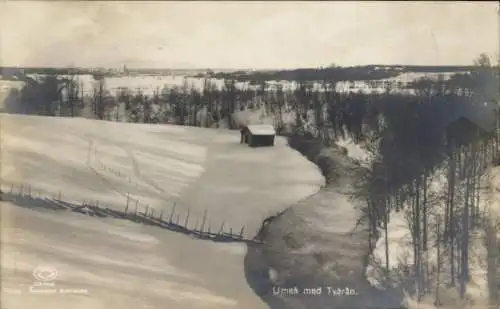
(110, 263)
(121, 263)
(5, 87)
(198, 169)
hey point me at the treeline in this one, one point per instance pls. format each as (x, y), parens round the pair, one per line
(15, 71)
(368, 72)
(330, 110)
(308, 74)
(359, 73)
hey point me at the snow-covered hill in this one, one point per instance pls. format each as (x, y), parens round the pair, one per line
(127, 265)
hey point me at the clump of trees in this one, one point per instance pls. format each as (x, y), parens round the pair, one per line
(48, 96)
(422, 141)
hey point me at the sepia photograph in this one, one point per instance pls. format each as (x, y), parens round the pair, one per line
(249, 154)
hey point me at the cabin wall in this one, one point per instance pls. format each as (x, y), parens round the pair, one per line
(261, 140)
(256, 140)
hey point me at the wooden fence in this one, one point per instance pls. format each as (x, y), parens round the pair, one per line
(134, 210)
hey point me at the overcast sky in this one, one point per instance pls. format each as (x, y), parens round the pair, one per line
(245, 34)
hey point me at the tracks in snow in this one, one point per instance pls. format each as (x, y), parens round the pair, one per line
(90, 138)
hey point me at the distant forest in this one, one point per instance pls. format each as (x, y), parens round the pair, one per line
(358, 73)
(337, 73)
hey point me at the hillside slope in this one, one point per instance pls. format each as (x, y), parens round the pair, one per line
(124, 264)
(109, 263)
(198, 169)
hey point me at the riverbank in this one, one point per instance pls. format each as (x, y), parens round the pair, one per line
(318, 245)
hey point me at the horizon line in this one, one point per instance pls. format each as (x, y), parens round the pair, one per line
(240, 69)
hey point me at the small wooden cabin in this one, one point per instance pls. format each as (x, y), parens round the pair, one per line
(258, 135)
(468, 121)
(463, 131)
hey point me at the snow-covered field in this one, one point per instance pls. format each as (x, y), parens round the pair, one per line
(121, 263)
(5, 87)
(110, 263)
(198, 169)
(149, 84)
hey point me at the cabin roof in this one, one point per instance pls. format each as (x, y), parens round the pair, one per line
(260, 129)
(483, 116)
(464, 120)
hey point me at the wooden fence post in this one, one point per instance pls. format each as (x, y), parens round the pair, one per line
(126, 205)
(187, 219)
(11, 188)
(161, 214)
(221, 228)
(241, 232)
(136, 206)
(204, 220)
(172, 213)
(146, 210)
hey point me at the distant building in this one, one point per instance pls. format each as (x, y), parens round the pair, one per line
(471, 122)
(258, 135)
(463, 131)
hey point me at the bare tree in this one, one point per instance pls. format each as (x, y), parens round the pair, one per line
(98, 98)
(73, 90)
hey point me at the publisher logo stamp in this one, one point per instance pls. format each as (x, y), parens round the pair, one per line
(44, 274)
(43, 283)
